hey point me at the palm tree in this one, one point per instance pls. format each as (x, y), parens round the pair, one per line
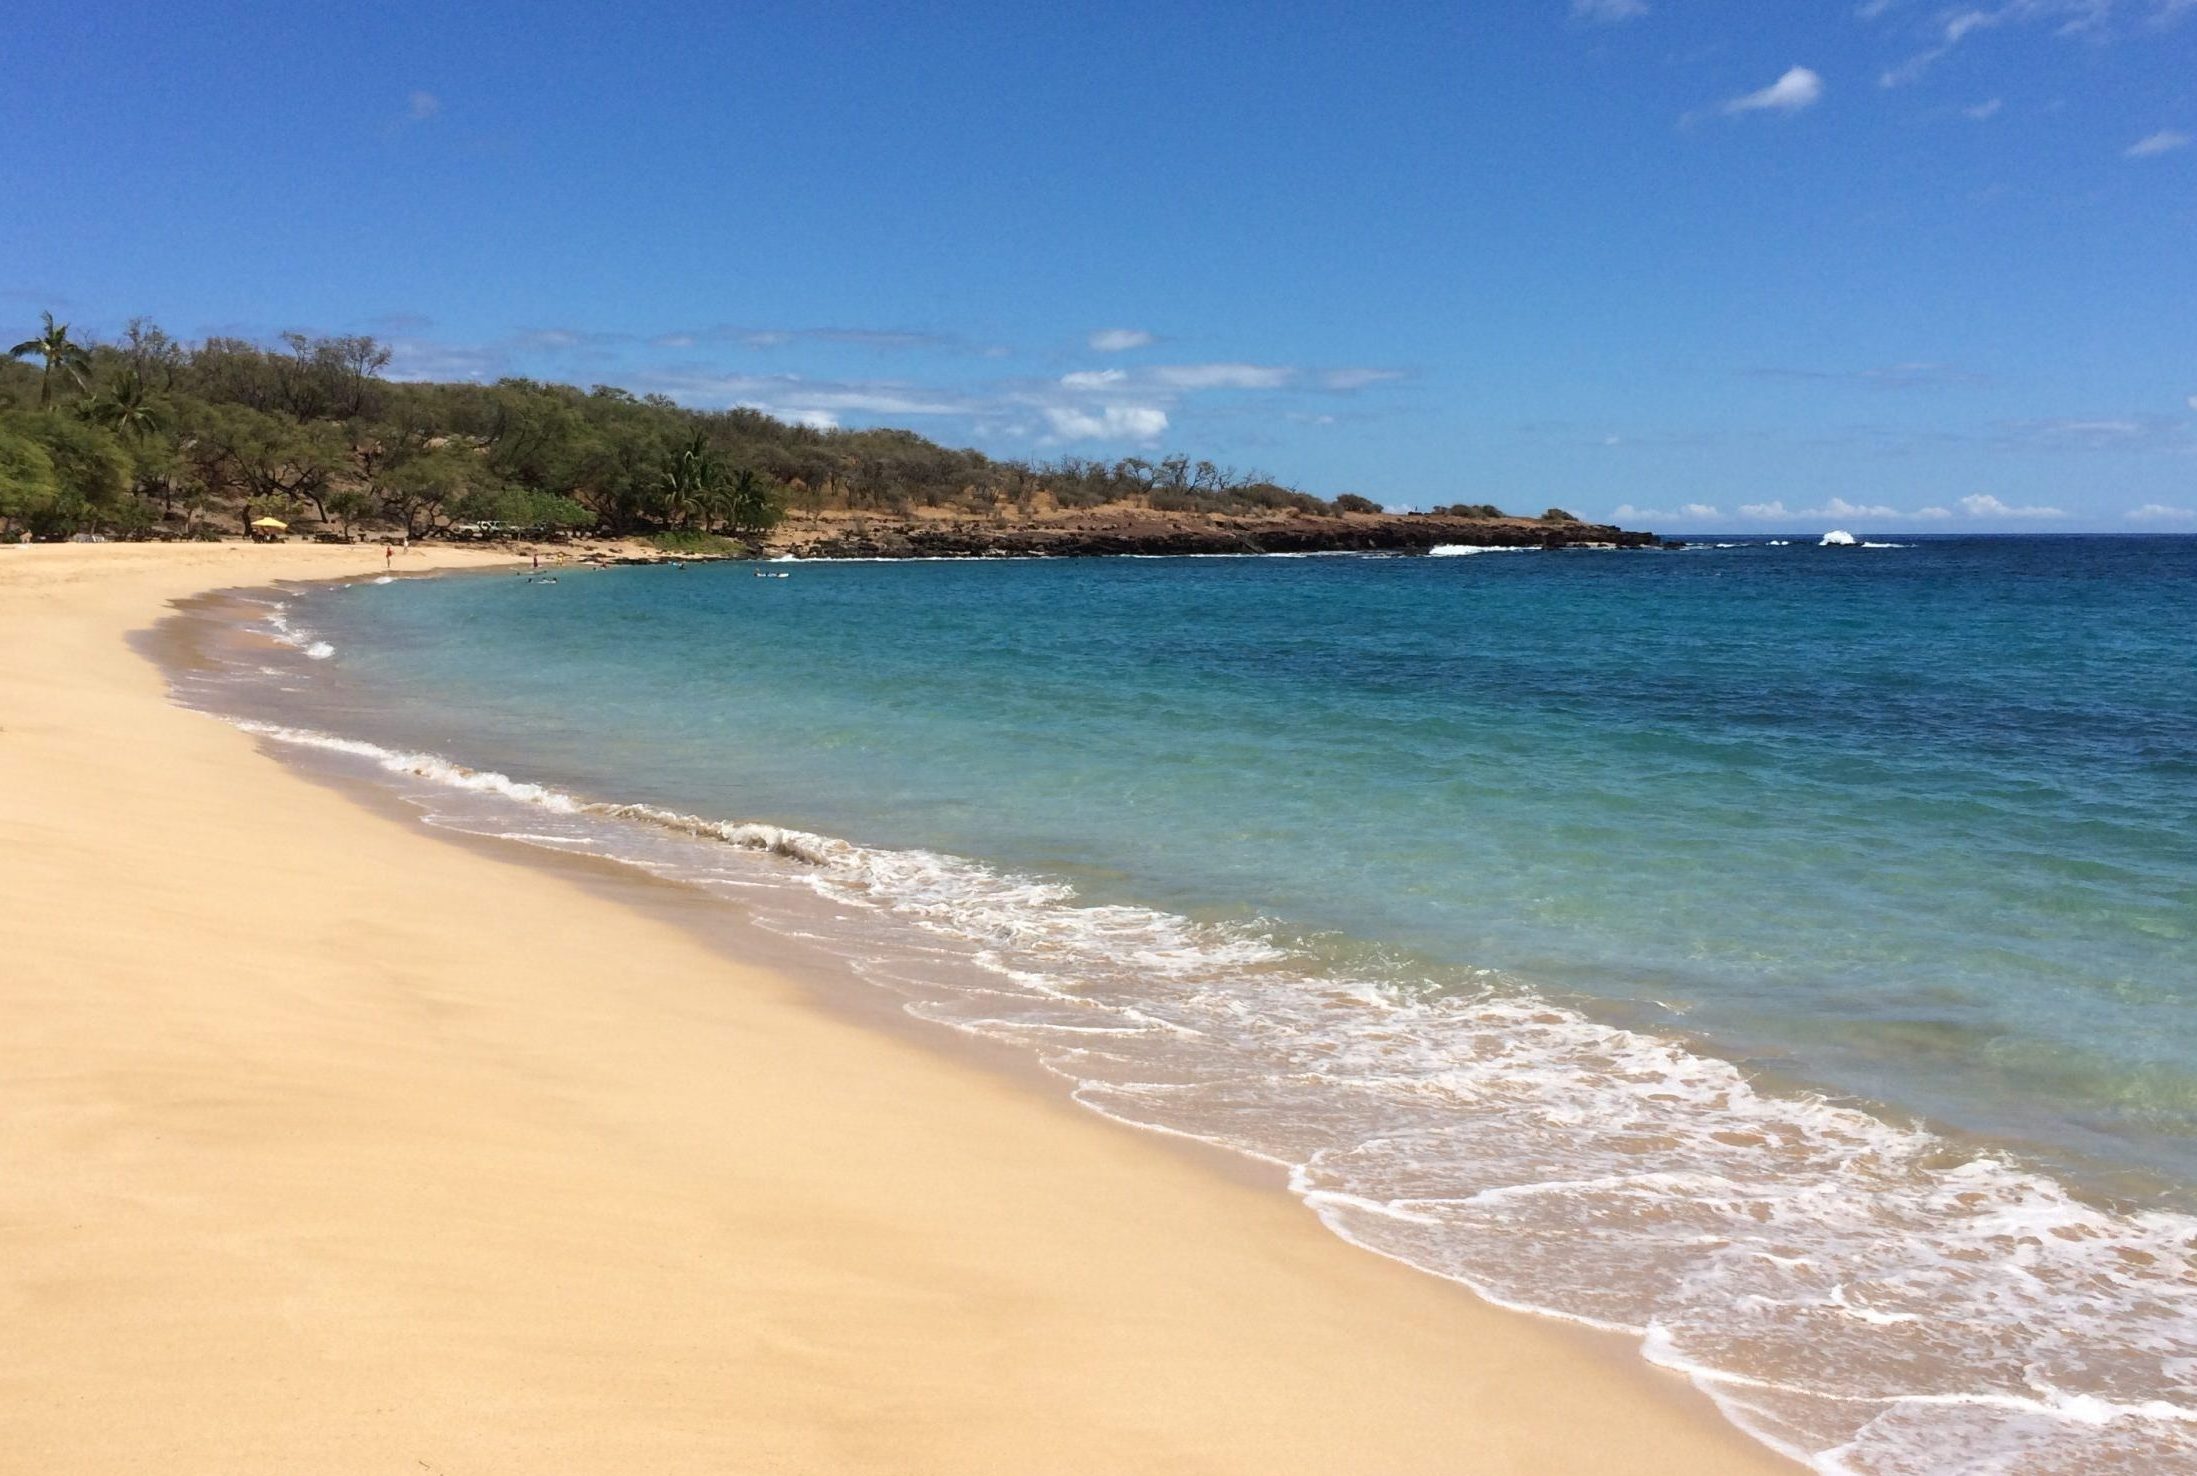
(751, 502)
(689, 481)
(59, 351)
(127, 406)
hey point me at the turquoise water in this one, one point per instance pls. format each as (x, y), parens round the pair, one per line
(1454, 883)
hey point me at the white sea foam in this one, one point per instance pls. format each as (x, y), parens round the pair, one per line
(1864, 1295)
(278, 623)
(1462, 550)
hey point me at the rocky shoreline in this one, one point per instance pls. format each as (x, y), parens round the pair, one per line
(1395, 533)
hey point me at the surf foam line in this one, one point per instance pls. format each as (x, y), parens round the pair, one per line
(1866, 1296)
(278, 623)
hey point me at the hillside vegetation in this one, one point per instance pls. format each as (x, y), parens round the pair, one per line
(150, 437)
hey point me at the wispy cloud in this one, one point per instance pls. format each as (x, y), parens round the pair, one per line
(1984, 505)
(2125, 432)
(421, 106)
(793, 397)
(2094, 20)
(1346, 380)
(1989, 108)
(1954, 29)
(1607, 12)
(769, 338)
(1908, 374)
(1798, 89)
(2159, 512)
(2165, 141)
(1222, 376)
(1120, 340)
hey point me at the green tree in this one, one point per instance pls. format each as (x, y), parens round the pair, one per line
(27, 485)
(418, 487)
(349, 506)
(60, 352)
(90, 470)
(272, 457)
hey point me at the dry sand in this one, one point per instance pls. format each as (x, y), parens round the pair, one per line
(327, 1145)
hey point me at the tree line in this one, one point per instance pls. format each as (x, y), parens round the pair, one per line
(149, 436)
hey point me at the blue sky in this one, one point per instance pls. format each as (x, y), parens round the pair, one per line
(1693, 263)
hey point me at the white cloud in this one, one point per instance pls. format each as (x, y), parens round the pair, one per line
(1692, 512)
(1984, 505)
(1983, 110)
(1119, 340)
(1107, 422)
(1799, 88)
(1837, 509)
(813, 419)
(1222, 376)
(1090, 379)
(2159, 512)
(2165, 141)
(1607, 12)
(421, 106)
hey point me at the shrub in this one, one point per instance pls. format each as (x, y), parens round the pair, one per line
(688, 541)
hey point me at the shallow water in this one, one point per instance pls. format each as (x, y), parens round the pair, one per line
(1511, 901)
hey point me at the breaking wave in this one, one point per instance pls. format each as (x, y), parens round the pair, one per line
(1866, 1296)
(277, 623)
(1462, 550)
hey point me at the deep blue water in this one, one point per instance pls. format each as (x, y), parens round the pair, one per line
(1454, 884)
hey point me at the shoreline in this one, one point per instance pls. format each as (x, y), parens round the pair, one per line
(439, 1159)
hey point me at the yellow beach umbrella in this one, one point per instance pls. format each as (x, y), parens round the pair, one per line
(270, 523)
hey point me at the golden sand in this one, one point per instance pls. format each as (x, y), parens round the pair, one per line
(328, 1146)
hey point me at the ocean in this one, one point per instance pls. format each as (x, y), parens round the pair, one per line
(1785, 955)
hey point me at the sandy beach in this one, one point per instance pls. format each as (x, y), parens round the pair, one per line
(328, 1145)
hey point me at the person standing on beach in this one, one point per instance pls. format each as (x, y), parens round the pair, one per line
(387, 554)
